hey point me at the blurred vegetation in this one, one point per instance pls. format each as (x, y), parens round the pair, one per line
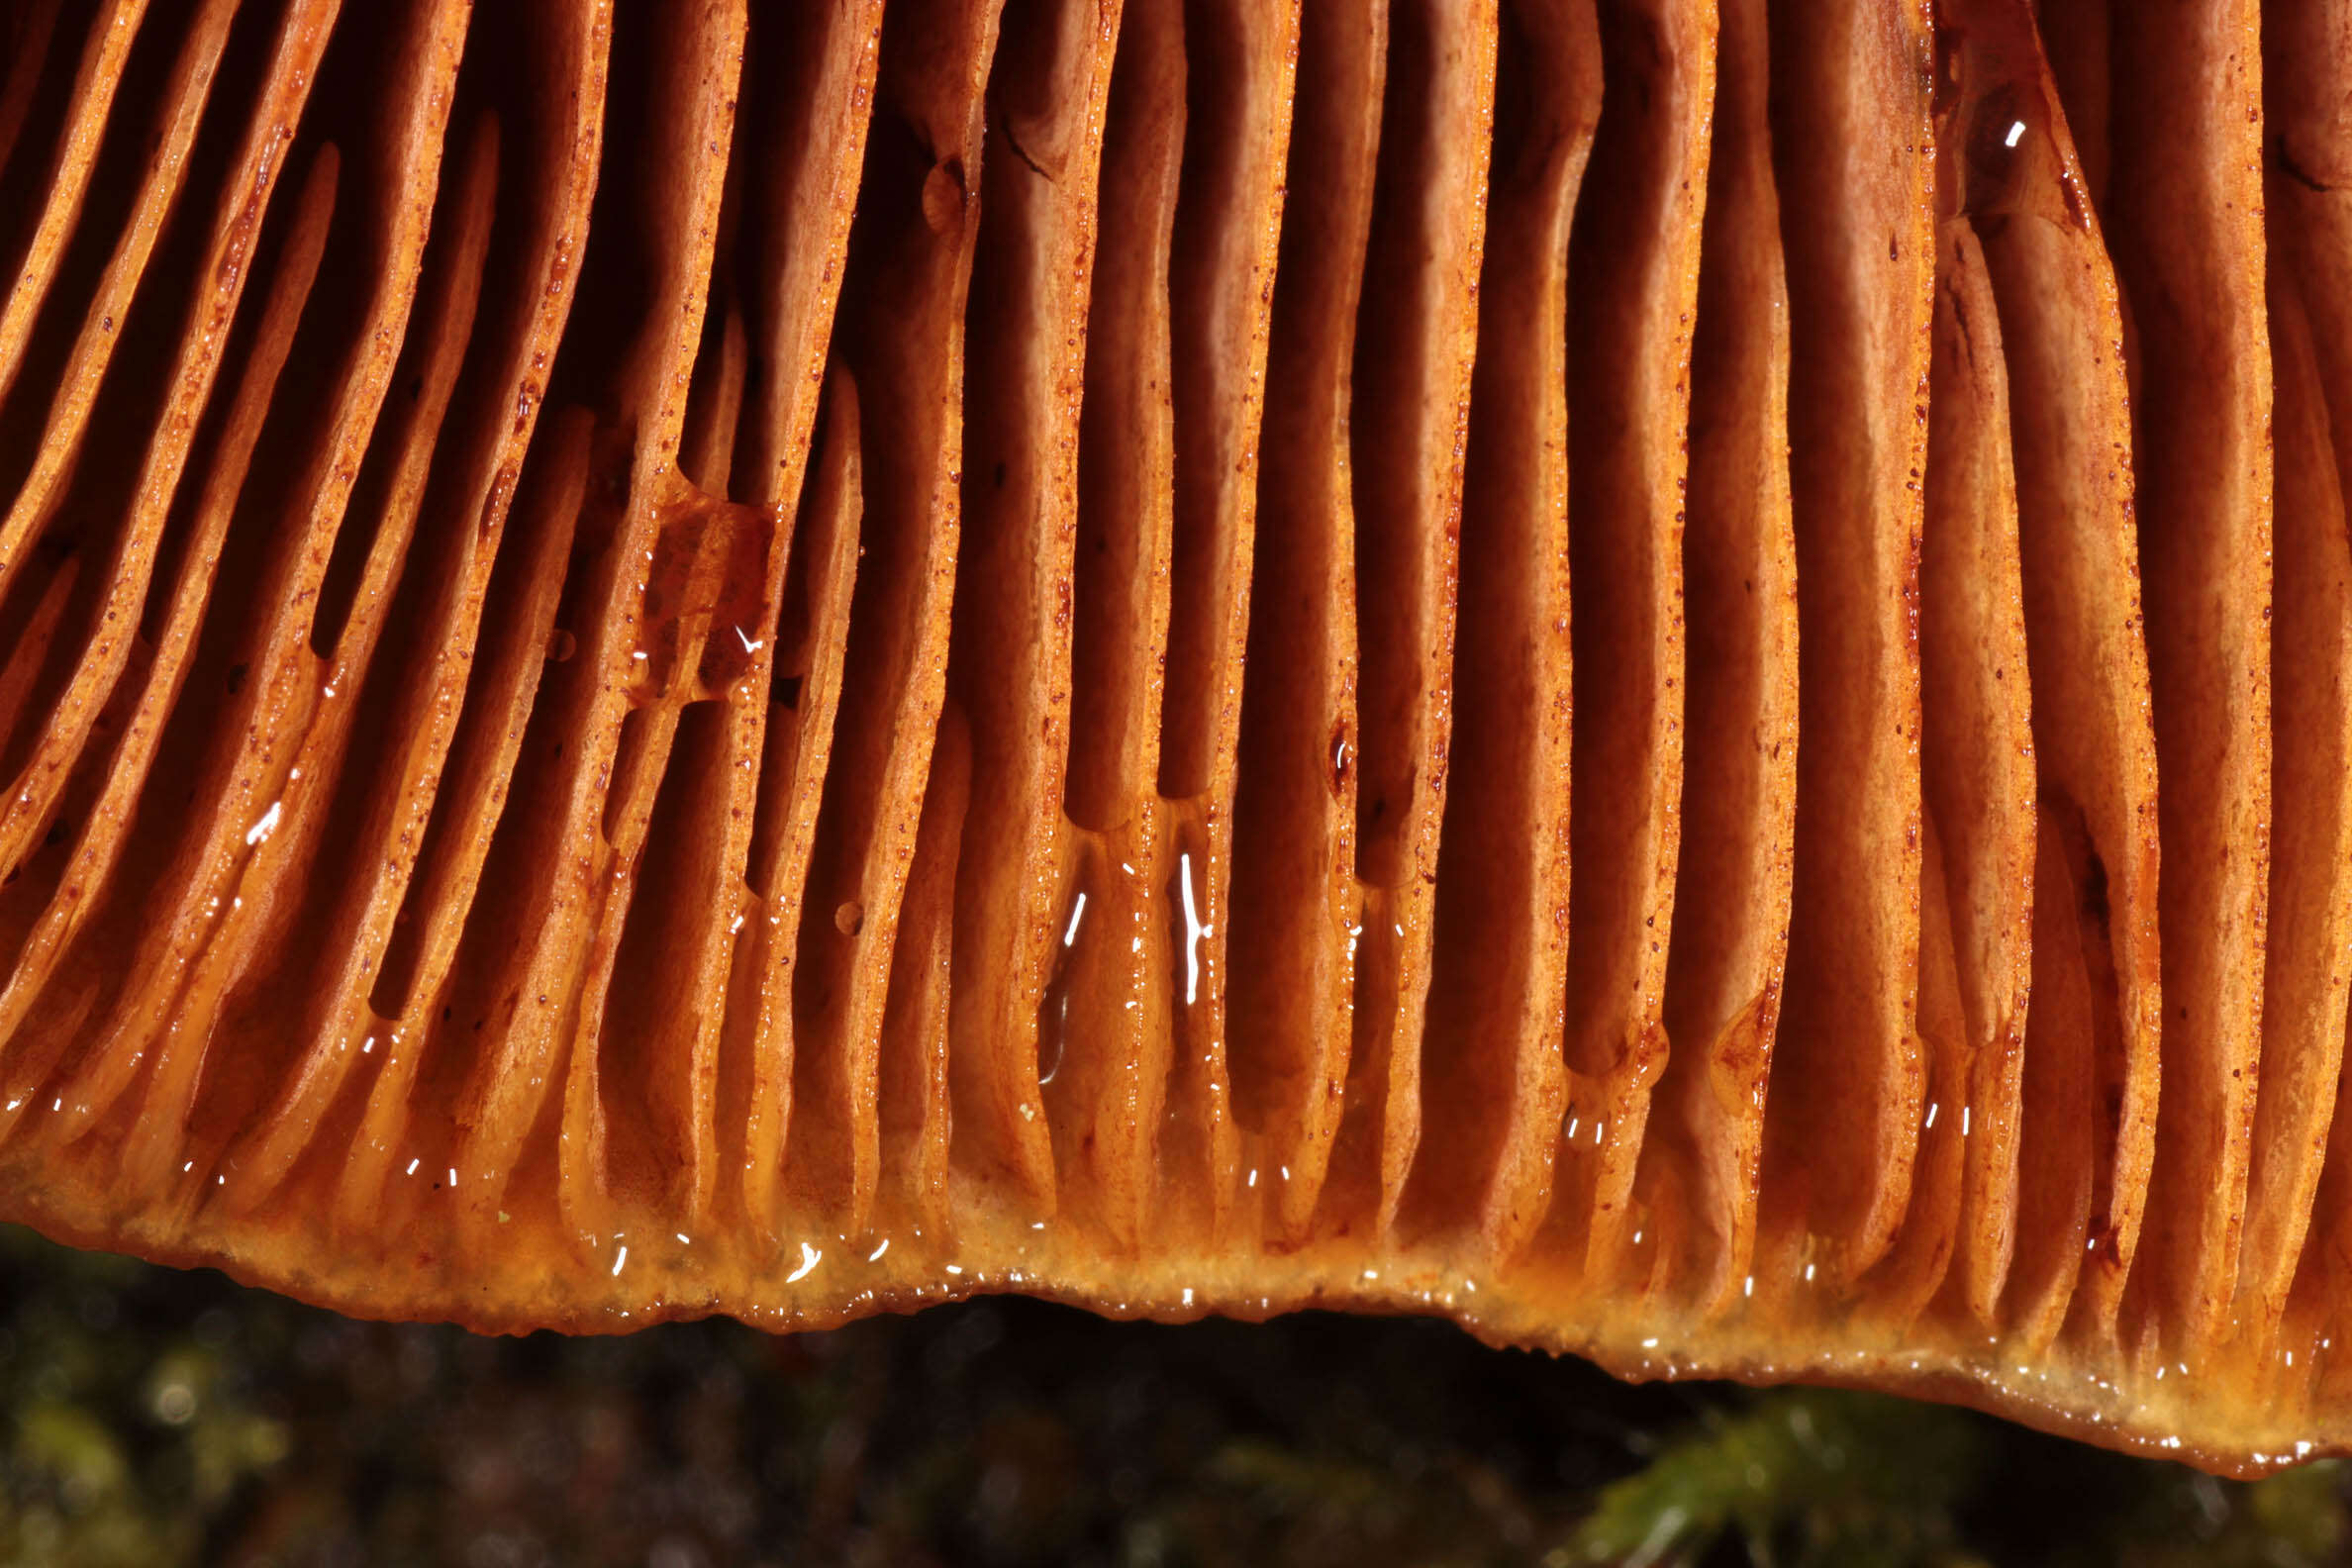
(155, 1417)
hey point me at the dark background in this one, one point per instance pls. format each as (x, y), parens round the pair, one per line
(158, 1418)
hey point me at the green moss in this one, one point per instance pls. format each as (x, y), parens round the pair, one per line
(1800, 1476)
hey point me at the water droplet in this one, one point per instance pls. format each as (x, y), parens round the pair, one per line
(1053, 1007)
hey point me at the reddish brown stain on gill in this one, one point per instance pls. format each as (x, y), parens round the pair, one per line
(705, 595)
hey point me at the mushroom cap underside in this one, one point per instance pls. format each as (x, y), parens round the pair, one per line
(1671, 676)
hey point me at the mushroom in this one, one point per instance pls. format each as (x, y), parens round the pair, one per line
(1672, 676)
